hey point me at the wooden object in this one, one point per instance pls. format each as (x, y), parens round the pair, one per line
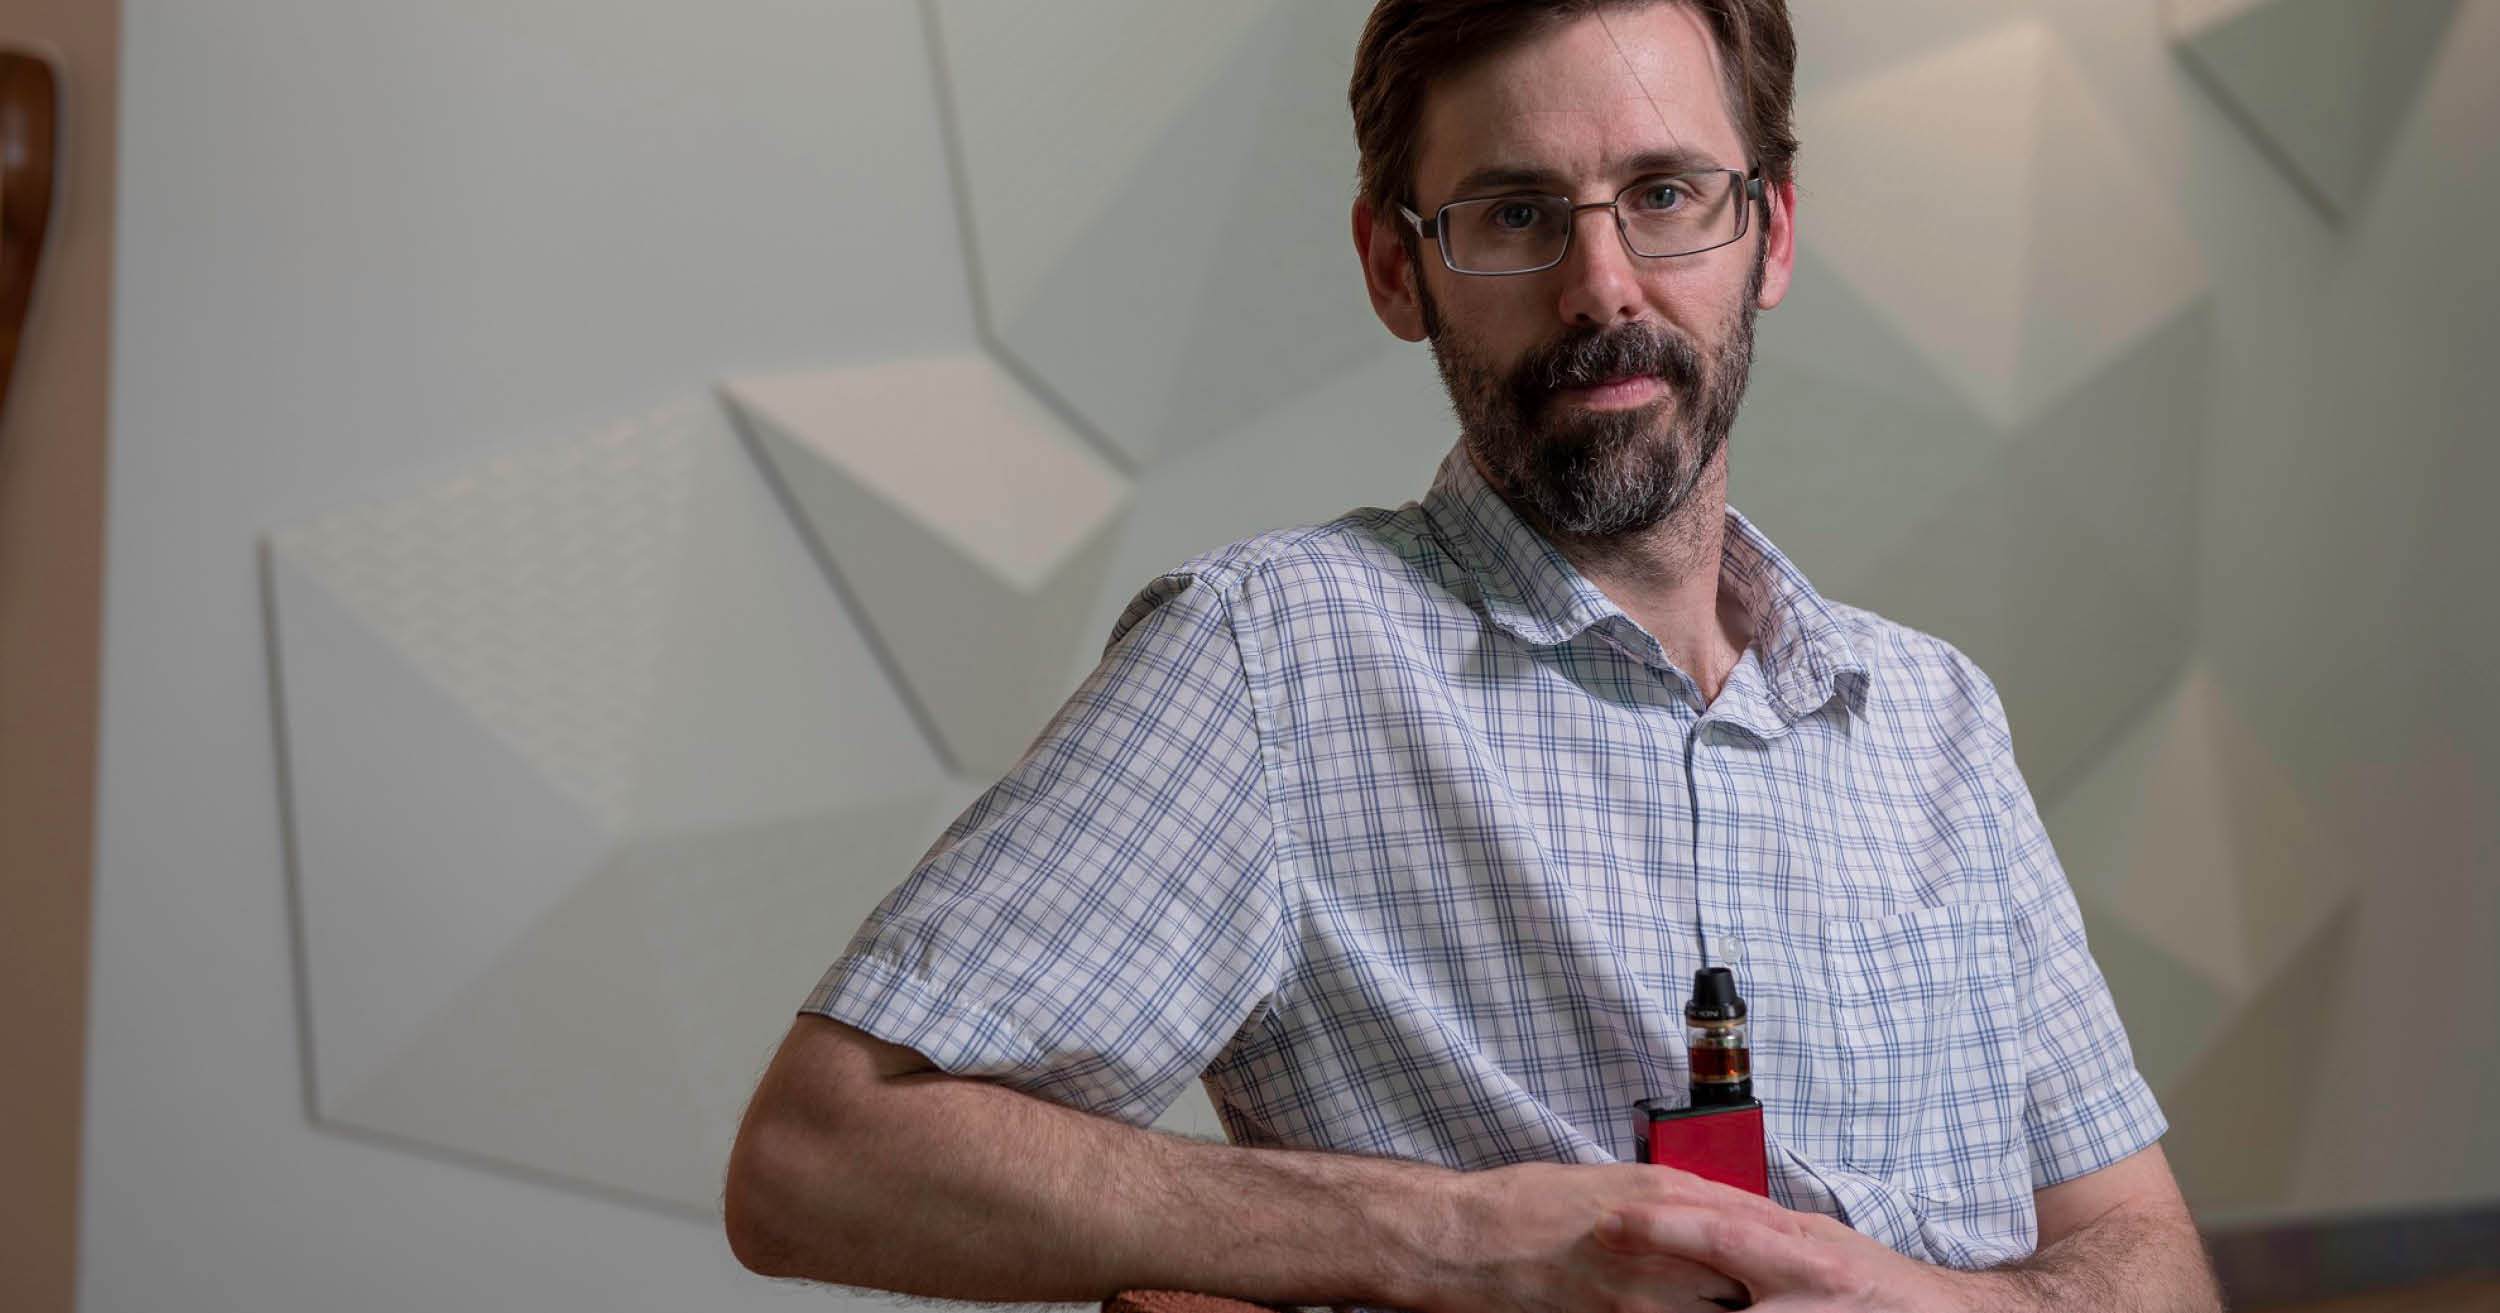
(30, 100)
(1176, 1301)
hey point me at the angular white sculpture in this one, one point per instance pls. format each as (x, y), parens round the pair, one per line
(582, 799)
(968, 524)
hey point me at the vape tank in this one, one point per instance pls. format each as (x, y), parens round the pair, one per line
(1717, 1132)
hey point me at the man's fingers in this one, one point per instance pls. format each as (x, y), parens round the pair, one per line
(1761, 1256)
(1670, 1187)
(1671, 1282)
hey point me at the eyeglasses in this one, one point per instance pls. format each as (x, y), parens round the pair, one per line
(1659, 217)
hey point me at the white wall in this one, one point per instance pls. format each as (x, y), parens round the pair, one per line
(363, 243)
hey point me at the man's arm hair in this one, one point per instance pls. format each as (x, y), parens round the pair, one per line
(860, 1163)
(2118, 1239)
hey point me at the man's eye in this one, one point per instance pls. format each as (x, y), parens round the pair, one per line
(1516, 216)
(1662, 196)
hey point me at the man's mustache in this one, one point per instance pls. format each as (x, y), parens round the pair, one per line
(1593, 356)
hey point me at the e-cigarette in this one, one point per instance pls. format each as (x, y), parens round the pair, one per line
(1717, 1133)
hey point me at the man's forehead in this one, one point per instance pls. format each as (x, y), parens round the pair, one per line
(1592, 94)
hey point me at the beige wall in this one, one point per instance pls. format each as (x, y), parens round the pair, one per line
(51, 565)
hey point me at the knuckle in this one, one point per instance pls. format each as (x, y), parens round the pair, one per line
(1831, 1273)
(1666, 1184)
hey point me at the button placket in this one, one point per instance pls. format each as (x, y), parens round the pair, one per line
(1714, 846)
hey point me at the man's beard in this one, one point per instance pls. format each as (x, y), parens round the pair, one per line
(1598, 474)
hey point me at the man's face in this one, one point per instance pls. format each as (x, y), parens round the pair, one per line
(1596, 393)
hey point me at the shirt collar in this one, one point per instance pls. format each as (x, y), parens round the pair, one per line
(1529, 589)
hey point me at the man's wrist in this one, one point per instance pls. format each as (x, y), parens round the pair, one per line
(1434, 1238)
(1993, 1290)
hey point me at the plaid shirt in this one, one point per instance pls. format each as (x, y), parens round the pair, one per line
(1409, 841)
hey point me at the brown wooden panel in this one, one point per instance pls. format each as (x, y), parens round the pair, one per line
(30, 113)
(52, 463)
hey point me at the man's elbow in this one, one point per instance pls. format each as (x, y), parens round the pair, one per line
(757, 1199)
(789, 1202)
(782, 1204)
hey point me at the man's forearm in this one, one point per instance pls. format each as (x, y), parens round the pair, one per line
(861, 1164)
(2128, 1260)
(963, 1189)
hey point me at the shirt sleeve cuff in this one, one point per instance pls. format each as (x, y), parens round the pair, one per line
(2082, 1136)
(888, 1002)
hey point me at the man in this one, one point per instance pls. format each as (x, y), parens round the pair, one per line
(1407, 830)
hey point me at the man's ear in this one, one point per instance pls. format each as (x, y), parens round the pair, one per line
(1389, 271)
(1779, 254)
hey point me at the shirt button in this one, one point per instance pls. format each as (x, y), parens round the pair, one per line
(1732, 947)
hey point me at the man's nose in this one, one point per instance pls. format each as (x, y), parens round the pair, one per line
(1600, 283)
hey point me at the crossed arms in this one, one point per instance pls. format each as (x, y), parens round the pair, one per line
(862, 1164)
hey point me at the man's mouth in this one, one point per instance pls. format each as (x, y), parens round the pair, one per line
(1619, 392)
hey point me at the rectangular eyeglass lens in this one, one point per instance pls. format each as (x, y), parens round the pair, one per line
(1703, 219)
(1506, 232)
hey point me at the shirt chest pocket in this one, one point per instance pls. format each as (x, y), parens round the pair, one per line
(1925, 1014)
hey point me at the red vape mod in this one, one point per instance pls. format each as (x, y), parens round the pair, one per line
(1717, 1134)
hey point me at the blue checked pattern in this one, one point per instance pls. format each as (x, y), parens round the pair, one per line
(1409, 841)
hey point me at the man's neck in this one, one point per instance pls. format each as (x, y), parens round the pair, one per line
(1667, 579)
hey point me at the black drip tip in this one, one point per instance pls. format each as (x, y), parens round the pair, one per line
(1714, 996)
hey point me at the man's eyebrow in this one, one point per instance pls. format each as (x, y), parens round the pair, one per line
(1517, 177)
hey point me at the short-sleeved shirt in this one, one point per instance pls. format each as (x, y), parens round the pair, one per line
(1407, 841)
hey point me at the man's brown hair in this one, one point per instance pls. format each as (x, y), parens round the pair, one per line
(1410, 44)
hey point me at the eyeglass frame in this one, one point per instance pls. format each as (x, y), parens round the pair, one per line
(1431, 228)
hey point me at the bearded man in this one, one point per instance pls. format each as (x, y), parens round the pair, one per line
(1402, 833)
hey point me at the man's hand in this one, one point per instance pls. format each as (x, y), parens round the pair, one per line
(2116, 1239)
(1791, 1262)
(1535, 1243)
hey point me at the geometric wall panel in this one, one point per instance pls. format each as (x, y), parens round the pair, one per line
(2221, 901)
(1851, 437)
(2172, 1012)
(581, 799)
(1848, 39)
(616, 1039)
(2196, 839)
(2058, 553)
(2066, 567)
(2020, 249)
(970, 527)
(1157, 195)
(554, 653)
(2420, 815)
(2269, 1077)
(2321, 86)
(1983, 409)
